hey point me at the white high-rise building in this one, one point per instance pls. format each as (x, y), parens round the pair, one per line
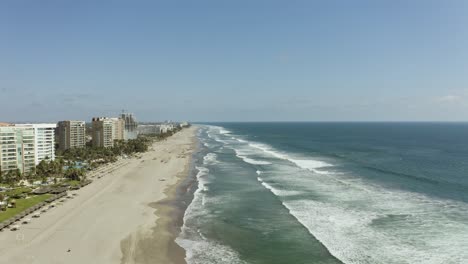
(16, 148)
(23, 146)
(44, 140)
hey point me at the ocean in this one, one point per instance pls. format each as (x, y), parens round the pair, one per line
(329, 193)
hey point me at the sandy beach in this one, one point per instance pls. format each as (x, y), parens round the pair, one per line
(122, 217)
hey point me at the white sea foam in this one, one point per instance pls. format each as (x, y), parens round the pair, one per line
(198, 249)
(242, 155)
(210, 158)
(309, 164)
(278, 192)
(269, 150)
(254, 162)
(218, 129)
(259, 172)
(363, 223)
(224, 131)
(312, 165)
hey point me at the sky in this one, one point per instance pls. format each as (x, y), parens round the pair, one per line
(234, 60)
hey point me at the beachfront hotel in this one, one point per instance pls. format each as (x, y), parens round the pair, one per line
(103, 132)
(71, 134)
(23, 146)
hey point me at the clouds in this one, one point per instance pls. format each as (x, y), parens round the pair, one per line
(449, 99)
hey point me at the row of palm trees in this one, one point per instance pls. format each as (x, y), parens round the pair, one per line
(73, 163)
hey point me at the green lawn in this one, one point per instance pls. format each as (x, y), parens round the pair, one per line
(73, 183)
(23, 204)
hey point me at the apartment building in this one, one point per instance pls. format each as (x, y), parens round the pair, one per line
(23, 146)
(16, 148)
(118, 128)
(71, 134)
(103, 131)
(44, 140)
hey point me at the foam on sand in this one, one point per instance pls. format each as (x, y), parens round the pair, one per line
(200, 250)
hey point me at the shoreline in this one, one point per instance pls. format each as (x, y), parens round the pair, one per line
(124, 216)
(170, 213)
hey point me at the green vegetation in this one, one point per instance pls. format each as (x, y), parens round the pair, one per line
(72, 164)
(93, 156)
(23, 204)
(18, 192)
(73, 183)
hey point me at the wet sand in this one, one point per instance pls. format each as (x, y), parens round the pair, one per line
(128, 216)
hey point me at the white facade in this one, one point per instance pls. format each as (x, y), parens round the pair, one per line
(164, 128)
(17, 148)
(44, 140)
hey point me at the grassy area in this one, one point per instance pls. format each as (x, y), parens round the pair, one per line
(16, 193)
(73, 183)
(23, 204)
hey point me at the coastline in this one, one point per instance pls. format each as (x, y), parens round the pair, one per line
(113, 220)
(160, 246)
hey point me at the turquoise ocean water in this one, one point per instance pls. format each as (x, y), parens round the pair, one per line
(329, 193)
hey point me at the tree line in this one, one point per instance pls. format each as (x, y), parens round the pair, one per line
(73, 163)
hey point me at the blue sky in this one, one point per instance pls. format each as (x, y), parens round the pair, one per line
(224, 60)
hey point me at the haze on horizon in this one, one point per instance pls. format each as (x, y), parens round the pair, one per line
(234, 60)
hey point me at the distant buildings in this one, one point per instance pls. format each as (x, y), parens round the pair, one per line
(23, 146)
(103, 132)
(168, 127)
(118, 128)
(159, 128)
(71, 134)
(148, 129)
(131, 126)
(106, 130)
